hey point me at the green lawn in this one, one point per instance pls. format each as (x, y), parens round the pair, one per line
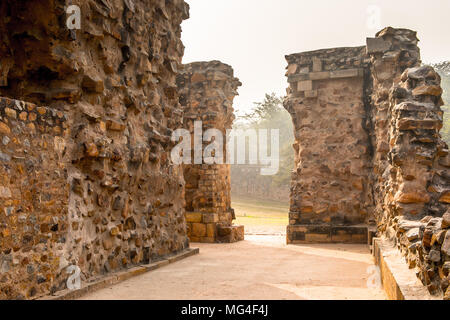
(252, 212)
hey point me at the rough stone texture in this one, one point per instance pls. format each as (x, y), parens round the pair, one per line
(332, 151)
(207, 90)
(367, 124)
(34, 221)
(110, 196)
(409, 178)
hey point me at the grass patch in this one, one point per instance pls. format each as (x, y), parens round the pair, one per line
(253, 212)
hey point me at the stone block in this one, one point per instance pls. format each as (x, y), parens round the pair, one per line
(446, 220)
(225, 217)
(210, 218)
(317, 64)
(195, 239)
(297, 77)
(224, 231)
(4, 129)
(377, 45)
(445, 197)
(189, 229)
(425, 90)
(346, 73)
(317, 238)
(341, 237)
(194, 217)
(105, 148)
(198, 77)
(319, 75)
(304, 70)
(238, 233)
(413, 124)
(445, 161)
(297, 234)
(446, 244)
(92, 81)
(311, 94)
(199, 230)
(5, 193)
(207, 240)
(305, 85)
(292, 69)
(211, 230)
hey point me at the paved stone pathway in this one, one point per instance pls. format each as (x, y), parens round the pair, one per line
(262, 267)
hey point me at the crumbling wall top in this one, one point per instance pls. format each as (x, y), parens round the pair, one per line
(208, 87)
(335, 63)
(208, 71)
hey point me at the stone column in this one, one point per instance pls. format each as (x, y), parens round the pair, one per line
(367, 124)
(389, 58)
(330, 192)
(207, 90)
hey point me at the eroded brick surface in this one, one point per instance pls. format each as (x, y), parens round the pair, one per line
(326, 102)
(207, 90)
(104, 194)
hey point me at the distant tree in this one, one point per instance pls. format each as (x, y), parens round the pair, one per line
(270, 114)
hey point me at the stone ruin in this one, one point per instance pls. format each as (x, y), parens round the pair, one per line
(86, 176)
(207, 90)
(330, 197)
(368, 151)
(86, 119)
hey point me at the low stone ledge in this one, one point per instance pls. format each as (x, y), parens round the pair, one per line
(302, 234)
(204, 227)
(230, 234)
(399, 282)
(116, 278)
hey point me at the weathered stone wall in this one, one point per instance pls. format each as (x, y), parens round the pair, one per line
(392, 161)
(34, 193)
(330, 189)
(115, 82)
(411, 176)
(207, 90)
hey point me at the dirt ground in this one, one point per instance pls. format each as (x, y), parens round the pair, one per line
(261, 267)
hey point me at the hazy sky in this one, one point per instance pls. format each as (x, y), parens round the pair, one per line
(253, 36)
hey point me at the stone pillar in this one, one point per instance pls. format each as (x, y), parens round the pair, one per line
(110, 198)
(207, 90)
(388, 61)
(330, 192)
